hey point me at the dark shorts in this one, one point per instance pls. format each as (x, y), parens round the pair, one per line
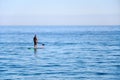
(35, 43)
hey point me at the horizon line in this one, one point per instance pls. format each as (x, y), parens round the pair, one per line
(66, 25)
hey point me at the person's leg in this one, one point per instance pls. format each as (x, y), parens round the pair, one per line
(35, 45)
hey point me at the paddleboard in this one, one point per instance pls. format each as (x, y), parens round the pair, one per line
(35, 48)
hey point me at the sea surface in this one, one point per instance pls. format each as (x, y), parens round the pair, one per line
(70, 53)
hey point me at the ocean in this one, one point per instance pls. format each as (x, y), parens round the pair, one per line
(70, 53)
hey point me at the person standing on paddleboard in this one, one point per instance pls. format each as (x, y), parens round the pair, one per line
(35, 41)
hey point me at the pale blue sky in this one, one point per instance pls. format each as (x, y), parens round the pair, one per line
(59, 12)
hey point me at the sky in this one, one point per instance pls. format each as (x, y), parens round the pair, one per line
(59, 12)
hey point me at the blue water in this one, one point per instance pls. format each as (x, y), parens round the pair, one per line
(70, 53)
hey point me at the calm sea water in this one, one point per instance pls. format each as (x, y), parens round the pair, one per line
(70, 53)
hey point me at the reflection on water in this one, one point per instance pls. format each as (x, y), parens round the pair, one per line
(35, 51)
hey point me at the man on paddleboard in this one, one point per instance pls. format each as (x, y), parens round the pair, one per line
(35, 40)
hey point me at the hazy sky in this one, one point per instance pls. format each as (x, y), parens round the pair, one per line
(59, 12)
